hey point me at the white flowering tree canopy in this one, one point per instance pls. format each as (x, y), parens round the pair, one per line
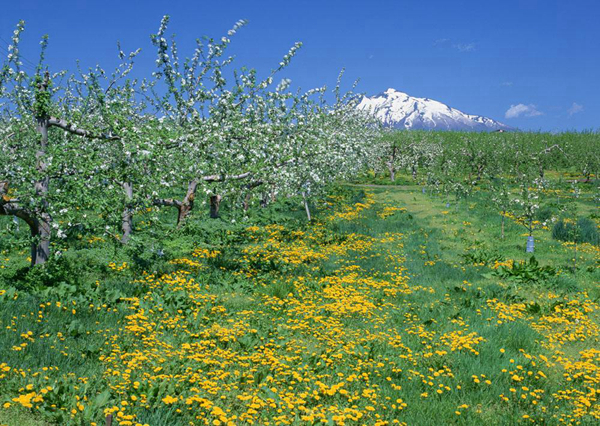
(91, 149)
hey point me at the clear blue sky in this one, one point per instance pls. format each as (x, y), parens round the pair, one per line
(542, 57)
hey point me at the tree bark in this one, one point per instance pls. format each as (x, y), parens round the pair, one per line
(182, 213)
(306, 207)
(215, 202)
(188, 203)
(246, 202)
(41, 229)
(127, 215)
(391, 166)
(184, 207)
(264, 199)
(480, 169)
(392, 172)
(40, 247)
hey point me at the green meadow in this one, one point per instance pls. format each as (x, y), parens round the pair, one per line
(390, 307)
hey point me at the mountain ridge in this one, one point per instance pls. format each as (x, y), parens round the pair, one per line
(401, 111)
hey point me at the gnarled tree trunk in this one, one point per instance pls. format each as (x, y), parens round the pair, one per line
(186, 206)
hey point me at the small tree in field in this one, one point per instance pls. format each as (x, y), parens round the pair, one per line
(47, 163)
(499, 185)
(526, 205)
(569, 222)
(502, 199)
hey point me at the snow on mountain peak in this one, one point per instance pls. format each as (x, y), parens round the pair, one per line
(399, 110)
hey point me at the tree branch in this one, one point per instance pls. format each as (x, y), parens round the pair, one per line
(549, 149)
(170, 202)
(217, 178)
(71, 128)
(12, 208)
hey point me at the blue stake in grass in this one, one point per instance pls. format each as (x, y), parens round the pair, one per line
(423, 190)
(530, 244)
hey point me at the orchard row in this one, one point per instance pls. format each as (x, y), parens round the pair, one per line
(513, 167)
(92, 148)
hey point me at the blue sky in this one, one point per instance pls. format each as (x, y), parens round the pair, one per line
(533, 64)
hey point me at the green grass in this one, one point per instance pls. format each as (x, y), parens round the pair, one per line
(18, 417)
(296, 333)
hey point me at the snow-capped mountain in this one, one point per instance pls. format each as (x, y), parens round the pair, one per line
(401, 111)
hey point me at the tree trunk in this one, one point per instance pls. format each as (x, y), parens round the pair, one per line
(39, 221)
(127, 215)
(264, 199)
(306, 206)
(41, 226)
(40, 246)
(40, 229)
(502, 233)
(480, 169)
(215, 203)
(392, 172)
(246, 202)
(391, 166)
(187, 204)
(248, 195)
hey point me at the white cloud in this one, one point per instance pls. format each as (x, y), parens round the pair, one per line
(441, 41)
(507, 83)
(575, 108)
(522, 110)
(464, 47)
(447, 43)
